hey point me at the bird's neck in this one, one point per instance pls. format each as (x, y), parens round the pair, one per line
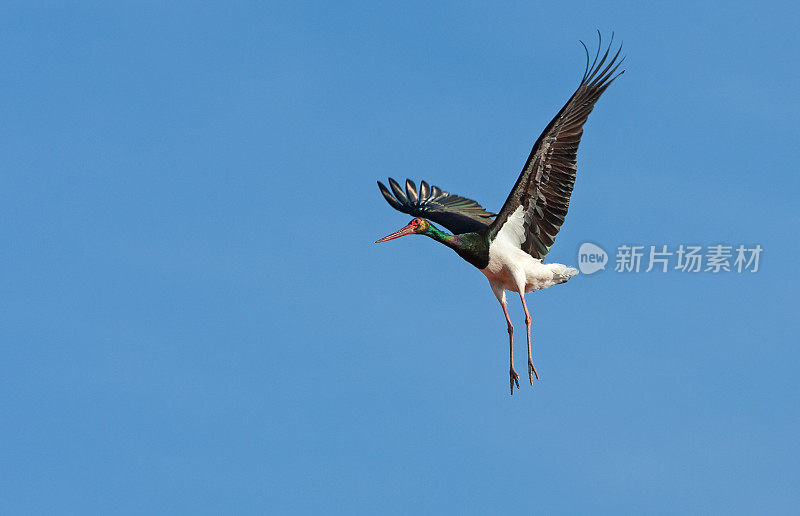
(451, 241)
(473, 247)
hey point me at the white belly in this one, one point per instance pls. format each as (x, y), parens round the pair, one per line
(514, 269)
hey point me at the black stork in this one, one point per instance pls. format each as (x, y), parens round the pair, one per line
(508, 247)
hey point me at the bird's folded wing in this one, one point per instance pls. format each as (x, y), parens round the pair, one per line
(458, 214)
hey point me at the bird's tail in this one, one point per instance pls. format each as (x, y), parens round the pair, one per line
(562, 273)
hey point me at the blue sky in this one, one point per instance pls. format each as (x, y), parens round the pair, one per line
(195, 318)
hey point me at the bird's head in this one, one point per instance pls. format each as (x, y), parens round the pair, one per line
(417, 226)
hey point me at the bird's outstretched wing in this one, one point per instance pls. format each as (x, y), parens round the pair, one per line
(536, 207)
(456, 213)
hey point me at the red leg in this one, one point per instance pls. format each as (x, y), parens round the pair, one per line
(512, 373)
(531, 368)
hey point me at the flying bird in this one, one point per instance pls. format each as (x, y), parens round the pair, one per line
(509, 246)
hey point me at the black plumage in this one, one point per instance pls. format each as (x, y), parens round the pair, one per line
(545, 184)
(458, 214)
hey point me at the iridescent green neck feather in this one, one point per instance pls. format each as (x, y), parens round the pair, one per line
(473, 247)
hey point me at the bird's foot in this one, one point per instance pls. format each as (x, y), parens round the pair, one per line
(532, 371)
(514, 379)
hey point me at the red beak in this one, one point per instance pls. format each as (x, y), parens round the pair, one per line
(407, 230)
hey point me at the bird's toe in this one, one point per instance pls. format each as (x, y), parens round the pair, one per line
(514, 380)
(532, 372)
